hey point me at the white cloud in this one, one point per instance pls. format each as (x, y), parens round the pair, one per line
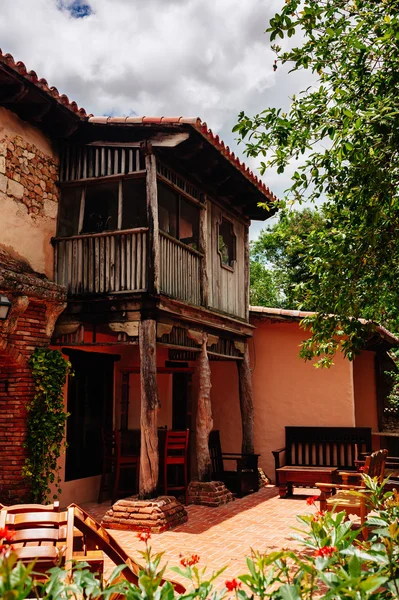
(206, 58)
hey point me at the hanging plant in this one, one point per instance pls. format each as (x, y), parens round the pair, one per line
(46, 423)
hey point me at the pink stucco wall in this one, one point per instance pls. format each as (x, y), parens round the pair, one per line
(365, 390)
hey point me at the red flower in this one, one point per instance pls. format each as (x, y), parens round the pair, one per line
(311, 500)
(6, 535)
(318, 515)
(144, 536)
(189, 561)
(325, 551)
(232, 585)
(361, 469)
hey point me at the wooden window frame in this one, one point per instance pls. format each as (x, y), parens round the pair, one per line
(230, 267)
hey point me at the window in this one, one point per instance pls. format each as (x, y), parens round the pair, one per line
(134, 204)
(178, 217)
(101, 208)
(226, 244)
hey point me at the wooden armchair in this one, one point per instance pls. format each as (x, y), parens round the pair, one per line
(242, 480)
(344, 499)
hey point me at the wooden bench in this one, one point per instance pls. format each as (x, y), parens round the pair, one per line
(312, 451)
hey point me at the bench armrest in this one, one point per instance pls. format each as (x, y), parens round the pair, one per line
(339, 486)
(277, 465)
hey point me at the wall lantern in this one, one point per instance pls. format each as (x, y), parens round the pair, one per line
(5, 306)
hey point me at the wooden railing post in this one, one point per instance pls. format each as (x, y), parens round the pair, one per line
(203, 243)
(204, 414)
(152, 217)
(149, 460)
(246, 402)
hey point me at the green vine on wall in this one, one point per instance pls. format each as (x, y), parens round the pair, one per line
(46, 423)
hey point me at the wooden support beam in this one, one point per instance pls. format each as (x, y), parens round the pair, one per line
(204, 413)
(149, 460)
(246, 270)
(152, 217)
(246, 402)
(203, 244)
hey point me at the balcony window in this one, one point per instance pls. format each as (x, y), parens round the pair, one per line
(226, 244)
(134, 204)
(178, 217)
(68, 217)
(101, 208)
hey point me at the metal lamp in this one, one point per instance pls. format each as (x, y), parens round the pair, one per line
(5, 306)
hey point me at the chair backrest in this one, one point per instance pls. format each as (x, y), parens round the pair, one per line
(111, 444)
(375, 464)
(176, 443)
(215, 452)
(39, 534)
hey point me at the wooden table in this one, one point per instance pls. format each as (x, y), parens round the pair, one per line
(303, 476)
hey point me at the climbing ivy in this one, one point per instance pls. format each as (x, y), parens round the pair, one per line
(46, 422)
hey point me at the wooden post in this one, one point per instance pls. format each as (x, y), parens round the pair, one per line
(149, 460)
(246, 402)
(203, 243)
(246, 270)
(204, 414)
(152, 218)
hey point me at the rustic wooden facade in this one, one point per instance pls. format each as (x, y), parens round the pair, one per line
(153, 249)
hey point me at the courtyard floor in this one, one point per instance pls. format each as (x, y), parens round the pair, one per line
(223, 536)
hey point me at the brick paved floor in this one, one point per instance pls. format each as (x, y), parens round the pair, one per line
(224, 535)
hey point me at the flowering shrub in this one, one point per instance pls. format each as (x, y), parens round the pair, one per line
(334, 562)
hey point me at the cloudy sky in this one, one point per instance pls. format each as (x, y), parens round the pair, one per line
(206, 58)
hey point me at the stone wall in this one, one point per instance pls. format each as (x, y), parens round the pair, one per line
(28, 192)
(28, 176)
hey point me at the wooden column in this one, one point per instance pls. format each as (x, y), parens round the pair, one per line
(246, 402)
(246, 270)
(149, 460)
(204, 414)
(203, 242)
(152, 218)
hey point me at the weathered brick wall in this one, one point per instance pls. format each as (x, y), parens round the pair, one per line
(16, 388)
(29, 176)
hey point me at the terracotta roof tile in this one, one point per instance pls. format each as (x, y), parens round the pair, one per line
(20, 68)
(202, 128)
(302, 314)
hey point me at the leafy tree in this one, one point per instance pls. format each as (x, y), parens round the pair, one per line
(280, 253)
(343, 134)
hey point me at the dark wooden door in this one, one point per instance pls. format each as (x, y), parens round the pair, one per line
(90, 404)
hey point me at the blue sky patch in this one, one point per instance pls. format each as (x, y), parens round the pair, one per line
(77, 8)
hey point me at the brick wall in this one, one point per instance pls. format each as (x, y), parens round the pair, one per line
(16, 388)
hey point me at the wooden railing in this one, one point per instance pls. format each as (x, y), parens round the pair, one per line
(180, 270)
(102, 263)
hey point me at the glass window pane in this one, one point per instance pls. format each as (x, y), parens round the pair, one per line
(227, 243)
(167, 209)
(68, 217)
(189, 223)
(101, 208)
(134, 204)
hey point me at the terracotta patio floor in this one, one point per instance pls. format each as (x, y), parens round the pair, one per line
(223, 536)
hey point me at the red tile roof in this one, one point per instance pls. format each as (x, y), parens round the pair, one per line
(202, 128)
(20, 68)
(297, 315)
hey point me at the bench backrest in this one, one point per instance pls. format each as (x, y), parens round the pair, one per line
(326, 446)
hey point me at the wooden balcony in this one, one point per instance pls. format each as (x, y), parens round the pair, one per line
(103, 263)
(180, 270)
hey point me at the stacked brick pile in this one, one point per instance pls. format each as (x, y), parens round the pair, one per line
(156, 515)
(209, 493)
(29, 176)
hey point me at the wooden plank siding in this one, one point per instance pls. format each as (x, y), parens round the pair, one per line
(180, 270)
(103, 263)
(227, 291)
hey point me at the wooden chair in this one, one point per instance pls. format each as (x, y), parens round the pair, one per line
(176, 453)
(244, 479)
(345, 499)
(114, 464)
